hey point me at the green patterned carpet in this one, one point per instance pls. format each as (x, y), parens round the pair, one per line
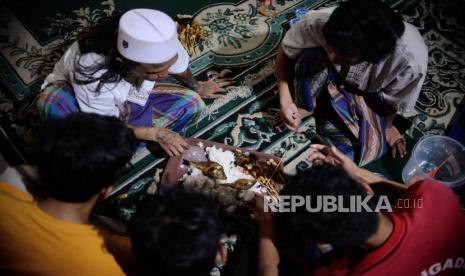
(239, 43)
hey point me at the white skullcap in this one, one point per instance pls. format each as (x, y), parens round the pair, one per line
(148, 36)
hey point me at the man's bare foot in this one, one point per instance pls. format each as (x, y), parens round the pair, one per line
(278, 122)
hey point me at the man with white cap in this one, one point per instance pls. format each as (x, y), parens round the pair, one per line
(118, 68)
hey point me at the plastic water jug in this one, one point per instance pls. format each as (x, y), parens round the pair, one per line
(437, 157)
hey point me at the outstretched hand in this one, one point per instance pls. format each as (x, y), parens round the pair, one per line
(171, 142)
(212, 89)
(290, 117)
(333, 156)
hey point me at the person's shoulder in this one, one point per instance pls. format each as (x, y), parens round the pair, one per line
(429, 186)
(432, 191)
(91, 59)
(13, 201)
(9, 193)
(412, 48)
(309, 30)
(90, 63)
(317, 17)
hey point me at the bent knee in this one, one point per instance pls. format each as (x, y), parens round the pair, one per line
(198, 105)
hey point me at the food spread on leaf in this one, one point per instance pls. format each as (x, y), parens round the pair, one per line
(232, 177)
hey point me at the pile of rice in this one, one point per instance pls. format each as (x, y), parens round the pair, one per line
(229, 197)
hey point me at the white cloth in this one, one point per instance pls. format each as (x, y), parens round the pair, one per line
(147, 36)
(111, 95)
(398, 78)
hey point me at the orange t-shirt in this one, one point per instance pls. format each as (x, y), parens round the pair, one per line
(34, 243)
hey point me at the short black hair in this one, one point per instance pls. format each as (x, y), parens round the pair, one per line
(368, 29)
(81, 154)
(337, 228)
(176, 232)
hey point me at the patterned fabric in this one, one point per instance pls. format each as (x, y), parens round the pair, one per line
(56, 101)
(169, 105)
(343, 118)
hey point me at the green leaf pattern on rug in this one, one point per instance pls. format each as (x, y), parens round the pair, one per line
(39, 61)
(232, 27)
(222, 130)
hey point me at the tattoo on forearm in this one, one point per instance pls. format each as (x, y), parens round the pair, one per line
(164, 137)
(187, 79)
(147, 134)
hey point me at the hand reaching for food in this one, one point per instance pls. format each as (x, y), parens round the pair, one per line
(171, 142)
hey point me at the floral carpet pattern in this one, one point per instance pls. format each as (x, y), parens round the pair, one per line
(241, 44)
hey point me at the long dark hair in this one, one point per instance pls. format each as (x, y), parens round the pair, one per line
(101, 39)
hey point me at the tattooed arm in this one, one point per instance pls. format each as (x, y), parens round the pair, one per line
(170, 141)
(187, 79)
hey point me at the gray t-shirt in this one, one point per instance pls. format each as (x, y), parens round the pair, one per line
(398, 78)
